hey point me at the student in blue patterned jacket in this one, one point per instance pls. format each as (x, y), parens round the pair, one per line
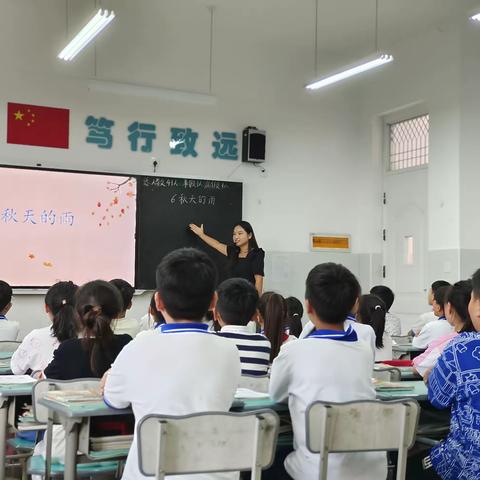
(455, 383)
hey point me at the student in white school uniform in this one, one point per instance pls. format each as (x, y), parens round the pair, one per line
(438, 328)
(236, 306)
(364, 332)
(8, 328)
(330, 365)
(36, 349)
(123, 325)
(428, 317)
(199, 370)
(372, 311)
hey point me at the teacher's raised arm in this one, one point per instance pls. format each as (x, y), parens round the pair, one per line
(246, 259)
(210, 241)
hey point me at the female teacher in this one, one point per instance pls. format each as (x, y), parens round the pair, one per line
(245, 258)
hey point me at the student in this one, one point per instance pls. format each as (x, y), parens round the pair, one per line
(428, 316)
(8, 328)
(97, 304)
(454, 383)
(438, 328)
(372, 312)
(122, 325)
(36, 350)
(392, 322)
(237, 301)
(203, 369)
(294, 316)
(456, 312)
(245, 259)
(272, 317)
(330, 365)
(365, 332)
(152, 318)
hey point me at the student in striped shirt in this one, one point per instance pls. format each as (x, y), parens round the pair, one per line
(236, 306)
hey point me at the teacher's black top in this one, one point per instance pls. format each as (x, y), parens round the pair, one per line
(248, 267)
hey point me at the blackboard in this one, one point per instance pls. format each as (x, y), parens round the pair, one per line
(165, 208)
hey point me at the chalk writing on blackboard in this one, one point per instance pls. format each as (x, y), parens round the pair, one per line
(182, 199)
(159, 182)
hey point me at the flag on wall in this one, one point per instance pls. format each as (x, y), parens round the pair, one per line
(37, 125)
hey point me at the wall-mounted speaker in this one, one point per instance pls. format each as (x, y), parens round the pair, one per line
(253, 145)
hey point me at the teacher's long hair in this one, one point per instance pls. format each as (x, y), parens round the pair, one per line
(252, 242)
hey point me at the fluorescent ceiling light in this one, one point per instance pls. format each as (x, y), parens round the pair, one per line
(475, 17)
(101, 19)
(366, 64)
(151, 92)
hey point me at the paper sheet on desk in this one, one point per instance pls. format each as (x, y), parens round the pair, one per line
(16, 379)
(247, 393)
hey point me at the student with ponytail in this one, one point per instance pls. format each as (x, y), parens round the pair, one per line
(272, 310)
(456, 303)
(97, 303)
(36, 350)
(372, 311)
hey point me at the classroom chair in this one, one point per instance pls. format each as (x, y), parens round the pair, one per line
(230, 442)
(45, 467)
(387, 374)
(363, 426)
(255, 383)
(9, 346)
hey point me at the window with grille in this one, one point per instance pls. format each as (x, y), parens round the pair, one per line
(409, 143)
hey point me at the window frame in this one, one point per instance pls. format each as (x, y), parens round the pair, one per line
(402, 115)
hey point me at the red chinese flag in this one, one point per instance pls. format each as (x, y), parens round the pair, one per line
(36, 125)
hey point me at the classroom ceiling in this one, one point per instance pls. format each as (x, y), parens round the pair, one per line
(166, 42)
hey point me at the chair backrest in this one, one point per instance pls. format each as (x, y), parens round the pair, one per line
(214, 442)
(44, 386)
(362, 426)
(388, 374)
(9, 346)
(254, 382)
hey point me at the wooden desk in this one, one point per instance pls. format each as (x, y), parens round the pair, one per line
(419, 392)
(7, 393)
(71, 416)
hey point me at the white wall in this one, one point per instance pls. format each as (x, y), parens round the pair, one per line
(316, 180)
(426, 71)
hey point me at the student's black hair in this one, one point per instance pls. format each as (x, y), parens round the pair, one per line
(476, 284)
(126, 291)
(458, 296)
(440, 294)
(60, 299)
(294, 316)
(332, 291)
(98, 303)
(158, 318)
(372, 311)
(5, 294)
(186, 280)
(439, 283)
(237, 301)
(273, 309)
(385, 294)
